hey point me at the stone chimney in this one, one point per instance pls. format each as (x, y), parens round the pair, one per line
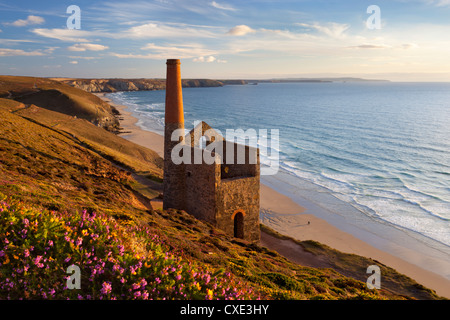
(174, 175)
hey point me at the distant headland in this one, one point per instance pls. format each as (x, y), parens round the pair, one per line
(142, 84)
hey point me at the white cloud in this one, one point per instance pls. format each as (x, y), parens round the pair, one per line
(207, 59)
(370, 46)
(87, 46)
(31, 20)
(73, 62)
(409, 46)
(149, 30)
(12, 41)
(169, 30)
(404, 46)
(332, 29)
(184, 51)
(199, 59)
(4, 52)
(240, 30)
(222, 6)
(69, 35)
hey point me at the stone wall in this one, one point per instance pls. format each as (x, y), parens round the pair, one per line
(232, 169)
(239, 194)
(201, 187)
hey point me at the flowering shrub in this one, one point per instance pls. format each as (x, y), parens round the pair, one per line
(115, 261)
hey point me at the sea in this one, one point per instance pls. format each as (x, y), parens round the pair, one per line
(371, 158)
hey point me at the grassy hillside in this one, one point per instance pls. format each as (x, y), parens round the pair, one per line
(110, 146)
(57, 96)
(56, 170)
(69, 195)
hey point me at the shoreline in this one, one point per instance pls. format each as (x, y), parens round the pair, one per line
(286, 216)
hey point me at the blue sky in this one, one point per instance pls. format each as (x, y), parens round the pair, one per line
(227, 39)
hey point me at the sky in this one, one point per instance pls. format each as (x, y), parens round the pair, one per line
(402, 41)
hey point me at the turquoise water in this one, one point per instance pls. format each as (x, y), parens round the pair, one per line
(382, 149)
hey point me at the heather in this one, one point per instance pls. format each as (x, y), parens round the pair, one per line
(116, 261)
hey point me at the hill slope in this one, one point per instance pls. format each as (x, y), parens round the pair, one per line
(57, 96)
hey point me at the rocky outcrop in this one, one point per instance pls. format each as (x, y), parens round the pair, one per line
(114, 85)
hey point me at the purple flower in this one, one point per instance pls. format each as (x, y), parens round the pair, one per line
(67, 259)
(27, 253)
(106, 288)
(50, 243)
(135, 286)
(37, 262)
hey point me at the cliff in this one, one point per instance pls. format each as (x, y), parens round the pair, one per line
(59, 97)
(114, 85)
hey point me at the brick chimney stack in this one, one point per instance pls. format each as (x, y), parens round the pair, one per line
(174, 96)
(174, 175)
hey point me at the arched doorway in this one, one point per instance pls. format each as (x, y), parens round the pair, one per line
(238, 225)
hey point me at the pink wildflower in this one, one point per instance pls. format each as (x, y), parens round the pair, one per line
(106, 288)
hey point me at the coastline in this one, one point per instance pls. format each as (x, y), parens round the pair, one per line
(286, 216)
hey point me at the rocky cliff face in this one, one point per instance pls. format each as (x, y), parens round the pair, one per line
(114, 85)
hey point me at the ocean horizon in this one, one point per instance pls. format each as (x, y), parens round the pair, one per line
(372, 158)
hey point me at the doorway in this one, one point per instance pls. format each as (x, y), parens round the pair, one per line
(239, 225)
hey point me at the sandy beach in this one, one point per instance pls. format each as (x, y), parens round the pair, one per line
(286, 216)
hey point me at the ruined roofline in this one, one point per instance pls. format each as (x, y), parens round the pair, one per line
(202, 128)
(206, 128)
